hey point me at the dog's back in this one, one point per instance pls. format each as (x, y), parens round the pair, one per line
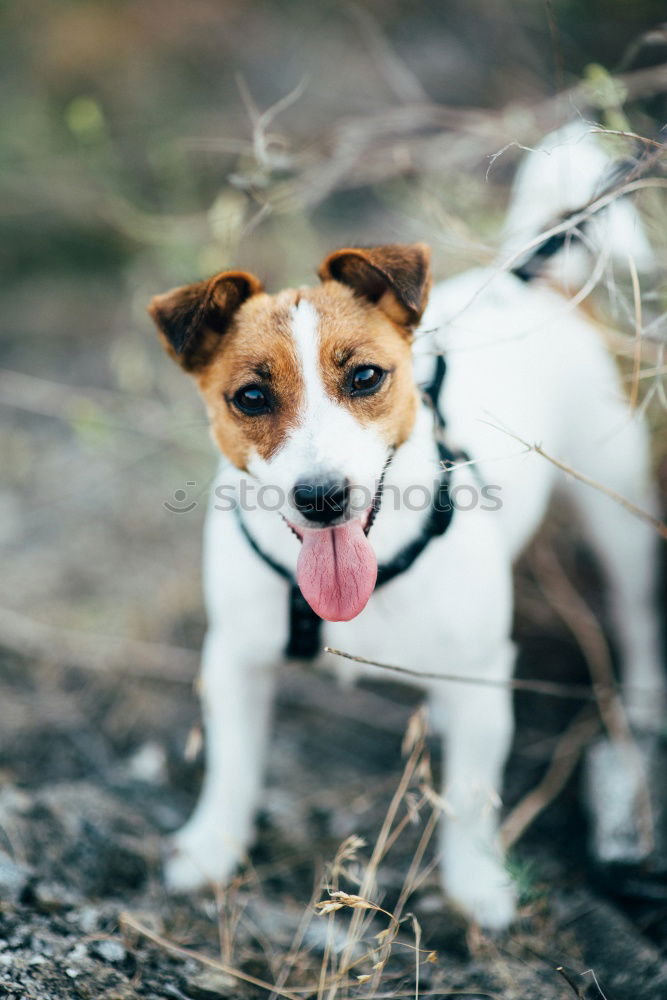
(526, 365)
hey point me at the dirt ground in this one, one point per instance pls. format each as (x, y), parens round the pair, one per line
(94, 775)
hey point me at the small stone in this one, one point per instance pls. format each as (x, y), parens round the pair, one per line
(149, 763)
(49, 897)
(211, 985)
(77, 953)
(109, 950)
(87, 919)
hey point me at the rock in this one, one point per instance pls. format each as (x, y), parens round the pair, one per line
(109, 950)
(50, 897)
(211, 985)
(149, 763)
(14, 877)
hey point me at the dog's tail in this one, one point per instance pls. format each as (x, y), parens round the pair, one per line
(560, 182)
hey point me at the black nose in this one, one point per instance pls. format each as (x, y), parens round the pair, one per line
(322, 500)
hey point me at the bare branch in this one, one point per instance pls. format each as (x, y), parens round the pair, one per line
(637, 360)
(565, 758)
(129, 923)
(631, 507)
(92, 651)
(573, 692)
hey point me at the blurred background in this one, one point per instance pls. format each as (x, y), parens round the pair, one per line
(148, 144)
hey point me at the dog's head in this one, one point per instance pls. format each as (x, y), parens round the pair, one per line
(310, 392)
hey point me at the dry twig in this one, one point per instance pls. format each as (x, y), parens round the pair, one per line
(581, 621)
(631, 507)
(92, 651)
(637, 359)
(563, 762)
(554, 689)
(128, 923)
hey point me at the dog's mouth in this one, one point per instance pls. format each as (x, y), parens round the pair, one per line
(337, 567)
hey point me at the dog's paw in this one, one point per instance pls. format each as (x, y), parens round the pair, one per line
(199, 855)
(484, 893)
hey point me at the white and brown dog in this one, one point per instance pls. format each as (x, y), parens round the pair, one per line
(313, 394)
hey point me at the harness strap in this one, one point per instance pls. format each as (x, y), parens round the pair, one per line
(305, 627)
(432, 390)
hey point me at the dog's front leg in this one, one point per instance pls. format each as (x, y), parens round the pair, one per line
(479, 726)
(236, 692)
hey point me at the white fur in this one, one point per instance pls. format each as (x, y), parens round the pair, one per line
(517, 359)
(328, 441)
(563, 174)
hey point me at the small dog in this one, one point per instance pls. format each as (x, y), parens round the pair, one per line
(388, 500)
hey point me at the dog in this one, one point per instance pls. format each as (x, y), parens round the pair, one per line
(342, 401)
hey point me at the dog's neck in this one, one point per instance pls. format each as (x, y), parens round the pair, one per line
(410, 486)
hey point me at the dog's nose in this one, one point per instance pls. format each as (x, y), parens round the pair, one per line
(322, 500)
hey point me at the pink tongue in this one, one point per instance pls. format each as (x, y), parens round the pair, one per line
(336, 571)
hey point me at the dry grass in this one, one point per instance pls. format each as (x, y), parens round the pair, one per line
(373, 950)
(361, 966)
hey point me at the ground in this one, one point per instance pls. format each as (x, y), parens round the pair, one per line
(94, 775)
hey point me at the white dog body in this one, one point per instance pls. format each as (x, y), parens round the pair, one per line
(522, 366)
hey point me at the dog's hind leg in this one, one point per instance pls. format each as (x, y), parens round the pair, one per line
(614, 453)
(623, 830)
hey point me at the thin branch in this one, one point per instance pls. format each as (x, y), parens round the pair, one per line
(422, 136)
(577, 990)
(92, 651)
(637, 359)
(583, 624)
(403, 82)
(565, 758)
(65, 402)
(628, 505)
(573, 692)
(129, 923)
(574, 220)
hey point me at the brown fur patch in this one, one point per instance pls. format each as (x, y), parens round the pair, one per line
(354, 332)
(396, 277)
(192, 319)
(259, 350)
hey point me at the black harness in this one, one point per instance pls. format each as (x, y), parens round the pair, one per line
(305, 626)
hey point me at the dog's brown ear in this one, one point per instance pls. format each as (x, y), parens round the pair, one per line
(192, 319)
(395, 277)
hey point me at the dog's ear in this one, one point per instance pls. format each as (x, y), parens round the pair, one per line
(395, 277)
(193, 318)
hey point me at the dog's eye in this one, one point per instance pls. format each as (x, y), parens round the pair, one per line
(366, 379)
(252, 400)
